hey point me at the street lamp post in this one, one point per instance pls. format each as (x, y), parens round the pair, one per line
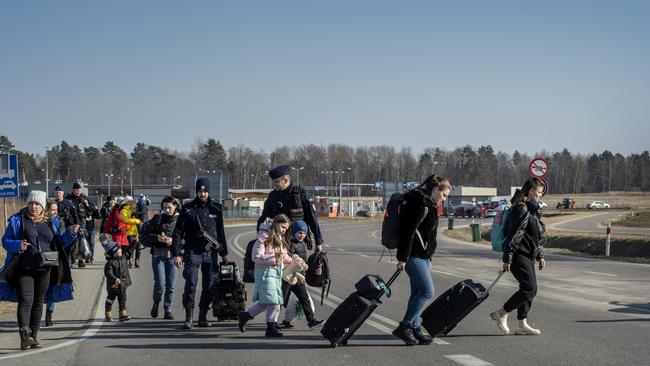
(109, 175)
(298, 173)
(47, 172)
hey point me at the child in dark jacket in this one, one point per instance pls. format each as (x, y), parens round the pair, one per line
(117, 276)
(299, 247)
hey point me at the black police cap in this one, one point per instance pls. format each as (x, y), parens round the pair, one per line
(279, 171)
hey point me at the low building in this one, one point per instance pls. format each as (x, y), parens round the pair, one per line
(460, 194)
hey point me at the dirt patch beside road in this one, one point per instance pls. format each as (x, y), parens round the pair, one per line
(630, 248)
(636, 219)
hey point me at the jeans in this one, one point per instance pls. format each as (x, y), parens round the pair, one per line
(164, 278)
(90, 236)
(422, 289)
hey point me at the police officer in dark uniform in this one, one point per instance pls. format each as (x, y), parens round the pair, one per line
(287, 199)
(65, 207)
(202, 214)
(82, 212)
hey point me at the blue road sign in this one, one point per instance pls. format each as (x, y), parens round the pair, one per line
(8, 175)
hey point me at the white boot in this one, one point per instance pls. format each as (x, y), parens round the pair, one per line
(501, 317)
(525, 329)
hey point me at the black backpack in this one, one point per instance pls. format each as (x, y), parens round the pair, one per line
(249, 265)
(318, 273)
(390, 225)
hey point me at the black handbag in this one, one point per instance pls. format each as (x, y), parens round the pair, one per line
(49, 259)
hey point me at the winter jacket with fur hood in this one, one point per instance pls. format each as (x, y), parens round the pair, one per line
(417, 215)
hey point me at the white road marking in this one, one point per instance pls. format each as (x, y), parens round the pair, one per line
(604, 274)
(448, 273)
(91, 331)
(363, 255)
(336, 301)
(468, 360)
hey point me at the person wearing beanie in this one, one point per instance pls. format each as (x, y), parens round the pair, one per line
(116, 271)
(65, 207)
(105, 211)
(24, 277)
(127, 213)
(82, 212)
(299, 247)
(198, 227)
(293, 201)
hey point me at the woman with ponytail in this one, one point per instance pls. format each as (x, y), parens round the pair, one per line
(270, 254)
(418, 228)
(523, 231)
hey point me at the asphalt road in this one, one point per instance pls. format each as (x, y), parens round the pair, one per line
(590, 311)
(595, 223)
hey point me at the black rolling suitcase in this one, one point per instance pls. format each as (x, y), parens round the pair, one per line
(229, 294)
(355, 309)
(446, 311)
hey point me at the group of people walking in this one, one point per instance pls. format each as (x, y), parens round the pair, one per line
(192, 238)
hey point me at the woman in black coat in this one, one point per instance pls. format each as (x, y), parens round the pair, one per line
(418, 227)
(524, 231)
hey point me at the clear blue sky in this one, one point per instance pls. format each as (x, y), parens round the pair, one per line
(519, 75)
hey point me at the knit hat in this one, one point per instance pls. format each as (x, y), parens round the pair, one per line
(38, 197)
(127, 199)
(76, 185)
(203, 184)
(298, 225)
(58, 189)
(110, 247)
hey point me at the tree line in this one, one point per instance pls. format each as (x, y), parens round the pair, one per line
(317, 165)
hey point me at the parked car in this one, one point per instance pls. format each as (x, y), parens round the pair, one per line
(566, 203)
(598, 204)
(490, 212)
(363, 213)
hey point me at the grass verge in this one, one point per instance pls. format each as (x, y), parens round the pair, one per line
(629, 248)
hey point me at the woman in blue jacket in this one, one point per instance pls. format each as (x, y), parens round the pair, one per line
(24, 278)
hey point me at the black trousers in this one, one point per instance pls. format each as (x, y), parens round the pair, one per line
(523, 269)
(120, 294)
(303, 298)
(31, 287)
(134, 246)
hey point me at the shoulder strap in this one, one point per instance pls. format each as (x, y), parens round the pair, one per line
(417, 232)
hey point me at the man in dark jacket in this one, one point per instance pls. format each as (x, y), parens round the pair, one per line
(66, 210)
(292, 201)
(83, 213)
(199, 224)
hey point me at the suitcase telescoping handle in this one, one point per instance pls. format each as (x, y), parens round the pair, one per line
(495, 281)
(393, 278)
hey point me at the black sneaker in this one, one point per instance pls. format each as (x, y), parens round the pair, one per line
(81, 264)
(405, 333)
(423, 339)
(168, 315)
(315, 323)
(286, 324)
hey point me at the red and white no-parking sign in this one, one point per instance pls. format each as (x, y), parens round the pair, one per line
(538, 167)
